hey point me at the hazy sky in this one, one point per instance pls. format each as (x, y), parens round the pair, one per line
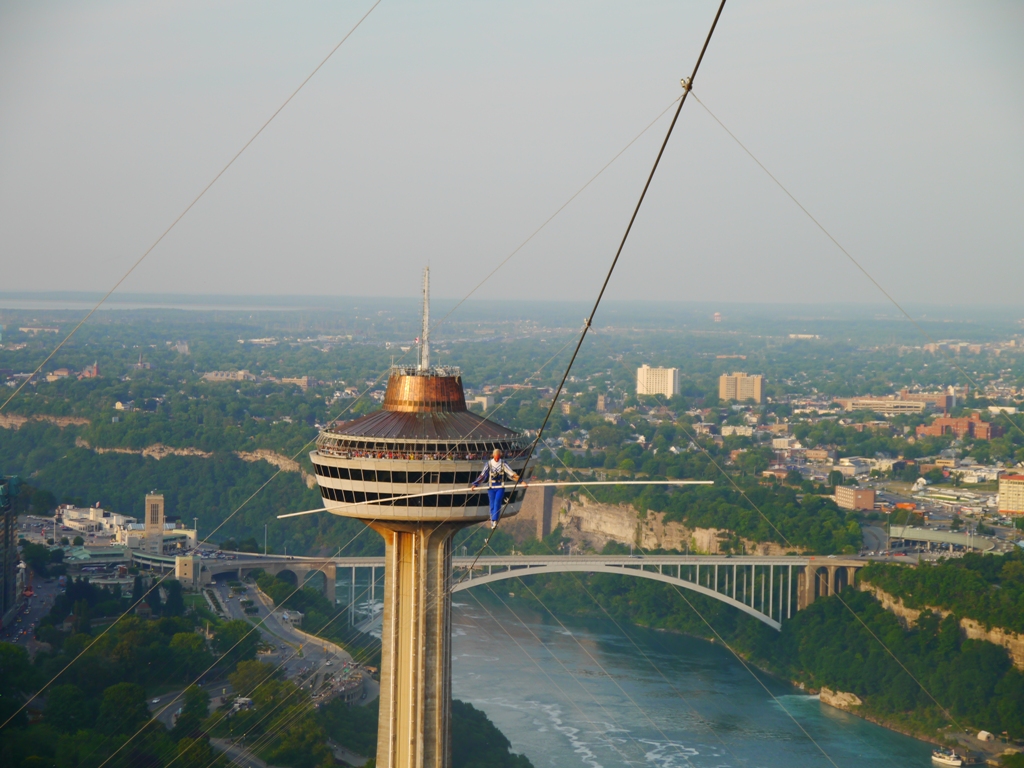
(448, 131)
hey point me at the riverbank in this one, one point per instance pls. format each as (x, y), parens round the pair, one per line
(861, 710)
(832, 644)
(677, 700)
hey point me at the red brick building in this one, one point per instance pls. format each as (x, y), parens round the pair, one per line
(971, 426)
(854, 498)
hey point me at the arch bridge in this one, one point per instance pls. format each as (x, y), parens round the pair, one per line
(770, 589)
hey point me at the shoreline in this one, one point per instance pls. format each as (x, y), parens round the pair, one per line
(871, 718)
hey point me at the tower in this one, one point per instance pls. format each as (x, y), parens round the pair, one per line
(154, 519)
(422, 440)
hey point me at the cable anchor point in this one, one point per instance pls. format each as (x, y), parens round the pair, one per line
(687, 83)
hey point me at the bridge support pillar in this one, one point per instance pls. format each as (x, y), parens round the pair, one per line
(805, 588)
(330, 583)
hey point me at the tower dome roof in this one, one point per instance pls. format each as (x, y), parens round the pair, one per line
(424, 405)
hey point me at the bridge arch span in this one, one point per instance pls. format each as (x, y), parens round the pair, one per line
(614, 570)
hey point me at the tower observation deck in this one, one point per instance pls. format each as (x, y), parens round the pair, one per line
(422, 440)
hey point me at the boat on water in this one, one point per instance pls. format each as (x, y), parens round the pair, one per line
(946, 757)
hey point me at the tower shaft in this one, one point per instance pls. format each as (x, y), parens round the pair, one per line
(415, 685)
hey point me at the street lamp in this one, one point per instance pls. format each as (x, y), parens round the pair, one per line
(264, 539)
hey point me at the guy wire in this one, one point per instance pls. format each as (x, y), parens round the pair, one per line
(785, 539)
(167, 575)
(265, 738)
(687, 84)
(582, 585)
(572, 702)
(849, 256)
(187, 208)
(739, 658)
(354, 401)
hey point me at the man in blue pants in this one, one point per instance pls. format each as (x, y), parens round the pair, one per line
(495, 471)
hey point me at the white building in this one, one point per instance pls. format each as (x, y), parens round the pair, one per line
(741, 387)
(657, 381)
(1011, 494)
(93, 519)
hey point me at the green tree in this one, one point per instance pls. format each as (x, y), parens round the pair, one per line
(250, 675)
(67, 709)
(175, 605)
(43, 502)
(249, 545)
(16, 677)
(479, 743)
(37, 556)
(153, 598)
(190, 653)
(197, 753)
(194, 710)
(122, 709)
(238, 639)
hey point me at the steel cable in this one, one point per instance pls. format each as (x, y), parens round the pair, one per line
(785, 539)
(687, 84)
(952, 362)
(188, 207)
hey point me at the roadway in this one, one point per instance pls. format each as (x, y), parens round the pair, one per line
(22, 630)
(297, 654)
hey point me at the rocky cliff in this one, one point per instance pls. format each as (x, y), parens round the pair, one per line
(159, 450)
(839, 699)
(14, 421)
(594, 524)
(973, 630)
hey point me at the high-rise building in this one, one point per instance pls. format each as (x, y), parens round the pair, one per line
(657, 381)
(9, 592)
(1011, 494)
(740, 387)
(424, 440)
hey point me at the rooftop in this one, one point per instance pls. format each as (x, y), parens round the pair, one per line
(423, 405)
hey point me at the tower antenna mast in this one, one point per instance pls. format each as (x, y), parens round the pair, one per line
(425, 344)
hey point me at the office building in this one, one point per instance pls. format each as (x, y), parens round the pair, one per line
(972, 426)
(657, 381)
(10, 588)
(741, 387)
(887, 406)
(854, 498)
(1011, 494)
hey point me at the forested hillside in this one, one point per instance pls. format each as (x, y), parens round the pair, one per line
(987, 589)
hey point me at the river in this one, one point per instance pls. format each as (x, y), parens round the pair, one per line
(692, 704)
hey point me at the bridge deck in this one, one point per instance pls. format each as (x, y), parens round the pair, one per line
(248, 560)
